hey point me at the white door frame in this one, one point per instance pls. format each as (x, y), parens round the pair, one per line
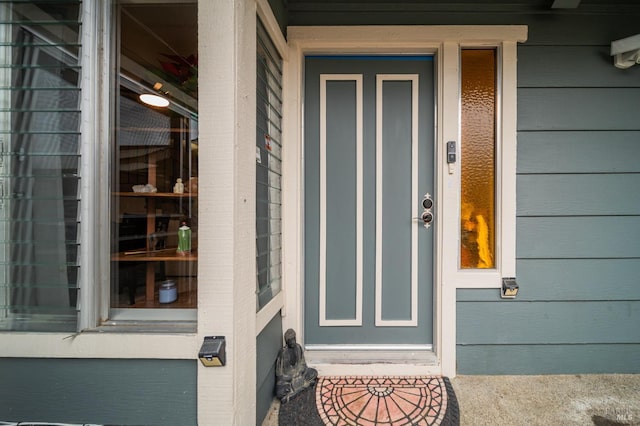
(444, 42)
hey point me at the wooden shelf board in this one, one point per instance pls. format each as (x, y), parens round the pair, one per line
(156, 194)
(168, 255)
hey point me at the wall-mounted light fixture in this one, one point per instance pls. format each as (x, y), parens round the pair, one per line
(626, 51)
(509, 288)
(213, 353)
(154, 99)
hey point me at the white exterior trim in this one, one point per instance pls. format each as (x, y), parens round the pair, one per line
(90, 164)
(444, 42)
(96, 344)
(399, 39)
(508, 134)
(226, 298)
(271, 25)
(323, 321)
(448, 208)
(380, 79)
(268, 311)
(366, 348)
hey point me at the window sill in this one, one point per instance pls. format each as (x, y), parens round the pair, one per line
(164, 327)
(478, 278)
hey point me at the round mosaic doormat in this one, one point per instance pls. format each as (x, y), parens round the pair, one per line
(375, 401)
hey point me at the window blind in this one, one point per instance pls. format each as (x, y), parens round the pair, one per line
(268, 168)
(39, 165)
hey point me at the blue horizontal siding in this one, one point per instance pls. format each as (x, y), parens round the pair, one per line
(578, 194)
(578, 237)
(544, 109)
(578, 214)
(268, 344)
(518, 322)
(578, 152)
(569, 280)
(549, 359)
(99, 391)
(571, 66)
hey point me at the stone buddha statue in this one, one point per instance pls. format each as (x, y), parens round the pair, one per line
(292, 373)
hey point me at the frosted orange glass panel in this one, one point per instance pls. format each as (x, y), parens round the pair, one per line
(478, 164)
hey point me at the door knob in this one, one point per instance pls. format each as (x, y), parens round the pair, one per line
(427, 218)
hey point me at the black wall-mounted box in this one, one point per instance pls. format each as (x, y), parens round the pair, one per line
(212, 353)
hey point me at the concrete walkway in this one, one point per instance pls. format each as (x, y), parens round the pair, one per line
(602, 400)
(548, 400)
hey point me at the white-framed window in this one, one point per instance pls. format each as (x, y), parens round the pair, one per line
(486, 205)
(153, 147)
(93, 217)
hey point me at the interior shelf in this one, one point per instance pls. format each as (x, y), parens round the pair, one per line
(167, 255)
(150, 215)
(156, 194)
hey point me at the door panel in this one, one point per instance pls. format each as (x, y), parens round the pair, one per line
(340, 200)
(368, 163)
(396, 180)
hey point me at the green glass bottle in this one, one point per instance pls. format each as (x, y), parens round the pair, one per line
(184, 238)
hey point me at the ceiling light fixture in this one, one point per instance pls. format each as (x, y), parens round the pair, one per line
(154, 100)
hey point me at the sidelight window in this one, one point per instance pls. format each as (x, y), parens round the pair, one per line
(478, 162)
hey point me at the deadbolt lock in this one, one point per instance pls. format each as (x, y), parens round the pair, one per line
(427, 205)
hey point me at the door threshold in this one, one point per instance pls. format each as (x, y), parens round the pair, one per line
(371, 354)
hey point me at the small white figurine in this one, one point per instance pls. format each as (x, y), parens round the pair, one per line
(178, 188)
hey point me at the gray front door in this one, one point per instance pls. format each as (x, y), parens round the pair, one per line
(368, 149)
